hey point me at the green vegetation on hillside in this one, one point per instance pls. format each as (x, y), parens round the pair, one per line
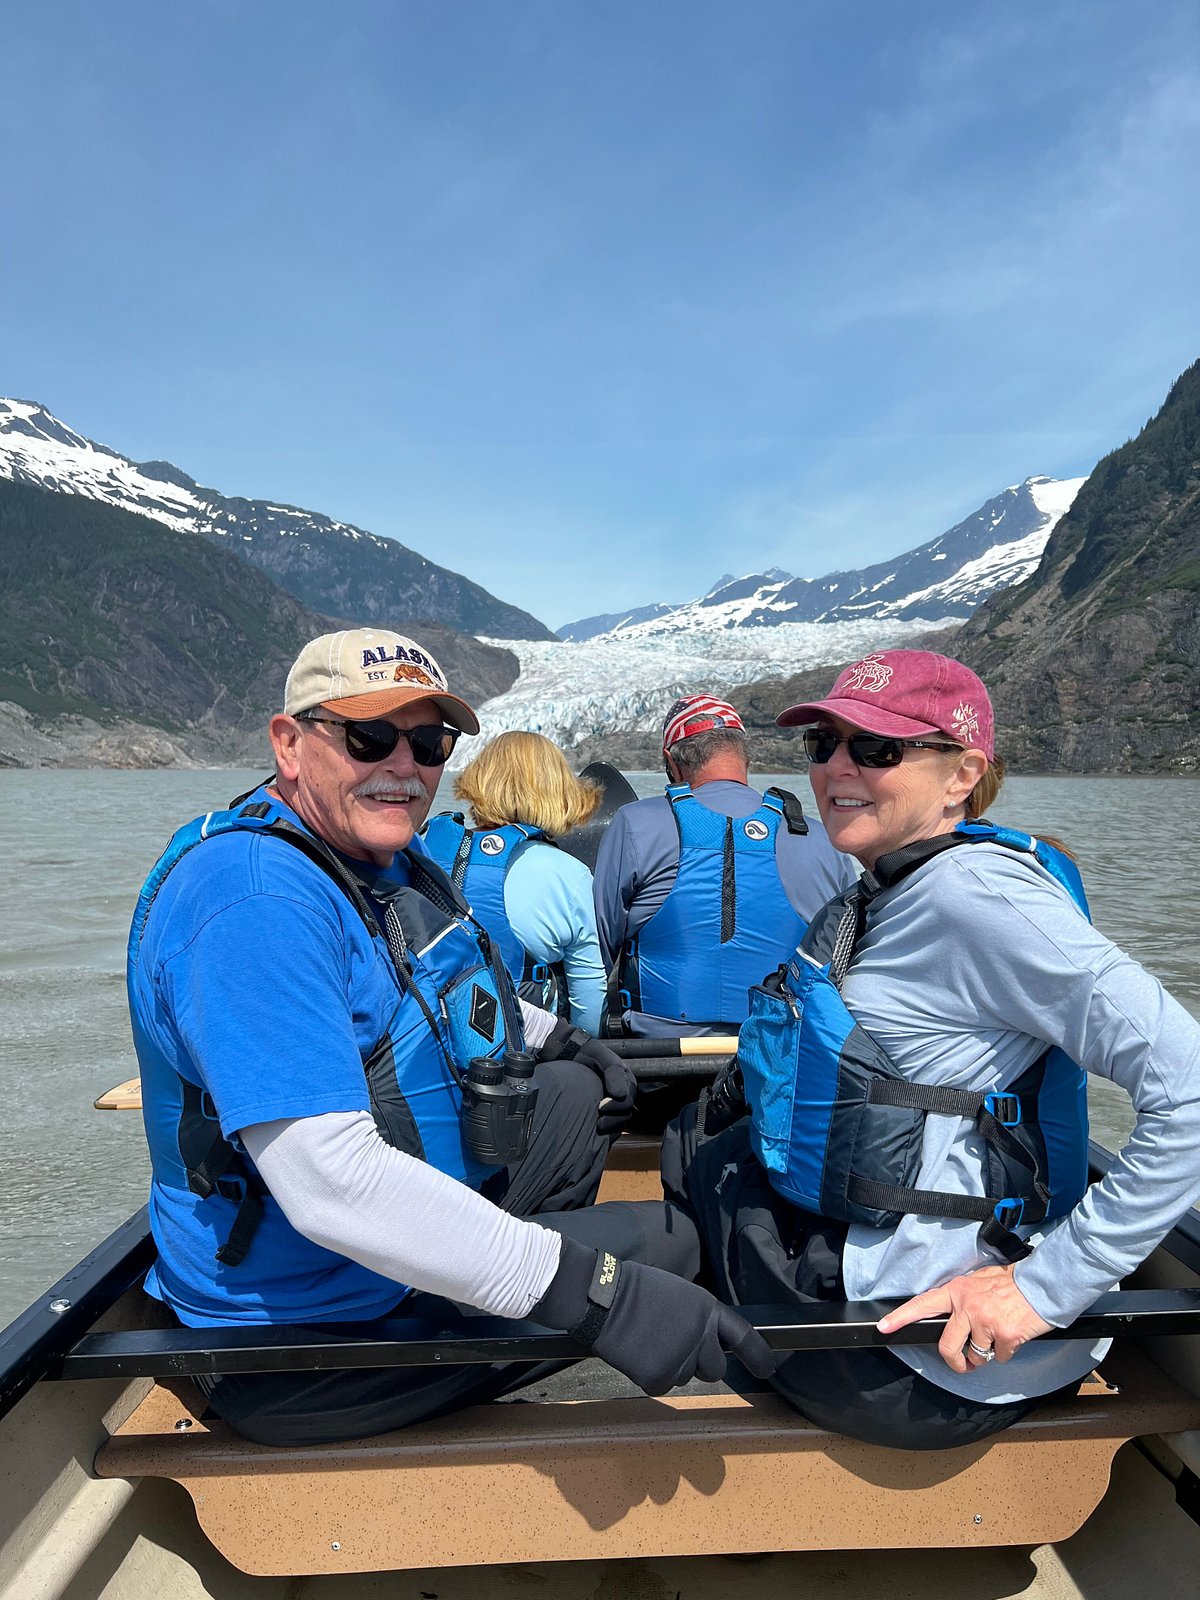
(105, 613)
(110, 615)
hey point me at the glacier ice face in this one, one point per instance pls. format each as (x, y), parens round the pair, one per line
(574, 691)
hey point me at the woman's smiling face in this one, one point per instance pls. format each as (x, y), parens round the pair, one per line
(868, 811)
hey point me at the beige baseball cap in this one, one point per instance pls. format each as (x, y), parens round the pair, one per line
(367, 672)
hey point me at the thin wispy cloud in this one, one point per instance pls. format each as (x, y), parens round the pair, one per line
(592, 303)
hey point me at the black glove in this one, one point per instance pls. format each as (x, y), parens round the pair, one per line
(566, 1043)
(723, 1101)
(656, 1328)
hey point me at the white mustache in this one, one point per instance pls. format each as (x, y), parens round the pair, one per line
(394, 788)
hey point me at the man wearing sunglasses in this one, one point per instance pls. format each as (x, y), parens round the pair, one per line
(307, 991)
(702, 892)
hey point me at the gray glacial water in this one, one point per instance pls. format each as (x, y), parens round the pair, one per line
(78, 844)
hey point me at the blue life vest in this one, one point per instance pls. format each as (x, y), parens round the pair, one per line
(726, 920)
(454, 1002)
(840, 1131)
(478, 861)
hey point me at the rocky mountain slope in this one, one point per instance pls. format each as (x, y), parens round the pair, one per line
(1094, 662)
(124, 643)
(947, 577)
(333, 567)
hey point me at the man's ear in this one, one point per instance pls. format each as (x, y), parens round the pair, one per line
(285, 741)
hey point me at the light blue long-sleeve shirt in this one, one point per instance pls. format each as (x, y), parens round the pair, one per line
(549, 905)
(968, 970)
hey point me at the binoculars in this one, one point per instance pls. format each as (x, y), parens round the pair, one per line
(499, 1096)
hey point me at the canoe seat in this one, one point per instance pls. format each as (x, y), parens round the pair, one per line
(690, 1474)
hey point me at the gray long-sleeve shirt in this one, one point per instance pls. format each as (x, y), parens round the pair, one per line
(639, 862)
(968, 970)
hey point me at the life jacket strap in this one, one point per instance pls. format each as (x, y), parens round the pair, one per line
(245, 1224)
(997, 1219)
(793, 812)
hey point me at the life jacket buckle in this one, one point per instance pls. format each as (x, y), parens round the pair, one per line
(539, 972)
(625, 999)
(1006, 1108)
(1008, 1213)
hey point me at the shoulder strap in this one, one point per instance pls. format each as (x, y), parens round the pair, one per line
(793, 811)
(320, 854)
(896, 865)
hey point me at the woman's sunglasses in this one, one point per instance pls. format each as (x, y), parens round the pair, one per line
(866, 749)
(430, 744)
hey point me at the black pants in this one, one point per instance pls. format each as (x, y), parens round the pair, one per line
(557, 1183)
(759, 1250)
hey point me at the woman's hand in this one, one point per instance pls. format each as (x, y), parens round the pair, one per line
(986, 1310)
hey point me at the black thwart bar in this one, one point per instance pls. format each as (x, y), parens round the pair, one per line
(414, 1342)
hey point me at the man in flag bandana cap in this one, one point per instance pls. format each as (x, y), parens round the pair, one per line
(704, 890)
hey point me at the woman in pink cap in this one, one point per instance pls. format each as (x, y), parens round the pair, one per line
(916, 1083)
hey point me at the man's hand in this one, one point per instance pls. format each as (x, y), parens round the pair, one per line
(656, 1328)
(566, 1043)
(620, 1086)
(987, 1311)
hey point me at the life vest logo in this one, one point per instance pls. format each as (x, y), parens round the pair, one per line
(754, 829)
(870, 674)
(964, 719)
(491, 844)
(484, 1013)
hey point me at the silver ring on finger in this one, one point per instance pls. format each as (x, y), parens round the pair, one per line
(981, 1355)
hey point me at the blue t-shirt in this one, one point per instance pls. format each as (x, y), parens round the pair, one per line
(258, 981)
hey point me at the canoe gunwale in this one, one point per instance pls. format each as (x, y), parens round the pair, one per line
(43, 1343)
(33, 1346)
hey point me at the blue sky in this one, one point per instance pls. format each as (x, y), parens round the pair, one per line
(597, 301)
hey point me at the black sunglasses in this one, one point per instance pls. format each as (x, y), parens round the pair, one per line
(866, 749)
(431, 744)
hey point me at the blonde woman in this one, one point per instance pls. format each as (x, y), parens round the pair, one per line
(534, 899)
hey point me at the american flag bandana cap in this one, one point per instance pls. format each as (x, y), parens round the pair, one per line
(698, 713)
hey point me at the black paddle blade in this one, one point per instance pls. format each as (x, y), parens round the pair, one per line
(584, 843)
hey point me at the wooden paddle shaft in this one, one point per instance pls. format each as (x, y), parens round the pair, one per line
(713, 1044)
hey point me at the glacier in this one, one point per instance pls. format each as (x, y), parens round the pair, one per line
(574, 691)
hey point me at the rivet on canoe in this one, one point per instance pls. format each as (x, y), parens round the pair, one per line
(336, 1545)
(59, 1306)
(184, 1424)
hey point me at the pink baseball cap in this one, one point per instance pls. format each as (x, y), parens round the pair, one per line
(904, 693)
(698, 713)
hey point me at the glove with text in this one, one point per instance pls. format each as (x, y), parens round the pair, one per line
(656, 1328)
(566, 1043)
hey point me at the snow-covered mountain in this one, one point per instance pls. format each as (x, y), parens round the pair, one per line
(612, 622)
(334, 567)
(999, 545)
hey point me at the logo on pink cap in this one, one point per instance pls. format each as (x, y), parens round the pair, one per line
(903, 694)
(872, 673)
